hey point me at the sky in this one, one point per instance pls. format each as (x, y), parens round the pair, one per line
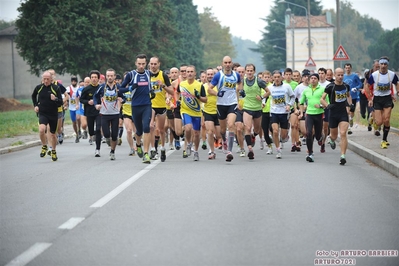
(244, 17)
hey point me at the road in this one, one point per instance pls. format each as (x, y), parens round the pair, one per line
(83, 210)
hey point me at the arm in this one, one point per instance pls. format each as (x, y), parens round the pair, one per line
(202, 95)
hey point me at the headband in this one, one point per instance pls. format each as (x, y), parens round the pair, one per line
(383, 61)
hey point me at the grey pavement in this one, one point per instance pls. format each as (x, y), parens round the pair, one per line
(362, 142)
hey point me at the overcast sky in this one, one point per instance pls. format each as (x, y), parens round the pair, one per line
(244, 17)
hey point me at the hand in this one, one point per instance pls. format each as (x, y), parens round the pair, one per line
(242, 93)
(98, 107)
(152, 94)
(90, 102)
(354, 90)
(36, 109)
(352, 108)
(221, 93)
(53, 97)
(370, 103)
(77, 107)
(196, 93)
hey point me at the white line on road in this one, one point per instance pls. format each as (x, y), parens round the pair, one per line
(71, 223)
(29, 254)
(115, 192)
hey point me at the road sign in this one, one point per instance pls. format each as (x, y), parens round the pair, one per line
(341, 54)
(310, 63)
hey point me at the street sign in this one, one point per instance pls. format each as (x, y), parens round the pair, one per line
(341, 54)
(310, 63)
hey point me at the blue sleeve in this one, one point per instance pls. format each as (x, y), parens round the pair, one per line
(97, 95)
(359, 83)
(395, 79)
(370, 81)
(126, 81)
(215, 79)
(238, 78)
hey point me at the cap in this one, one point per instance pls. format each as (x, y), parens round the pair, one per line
(365, 71)
(118, 76)
(102, 77)
(74, 78)
(306, 72)
(315, 75)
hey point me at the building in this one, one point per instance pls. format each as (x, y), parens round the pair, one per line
(16, 80)
(322, 42)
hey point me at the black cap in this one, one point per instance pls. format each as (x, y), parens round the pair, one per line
(315, 75)
(118, 76)
(74, 78)
(306, 72)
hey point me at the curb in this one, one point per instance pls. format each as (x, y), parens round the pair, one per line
(385, 163)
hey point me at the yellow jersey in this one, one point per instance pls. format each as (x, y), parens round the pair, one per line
(190, 105)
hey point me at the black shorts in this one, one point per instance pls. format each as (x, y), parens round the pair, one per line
(159, 111)
(281, 119)
(326, 115)
(127, 117)
(176, 113)
(254, 114)
(381, 102)
(225, 110)
(240, 116)
(211, 117)
(52, 121)
(169, 114)
(335, 118)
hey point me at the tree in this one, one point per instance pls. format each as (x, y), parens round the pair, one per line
(387, 44)
(189, 47)
(216, 39)
(5, 24)
(77, 36)
(274, 34)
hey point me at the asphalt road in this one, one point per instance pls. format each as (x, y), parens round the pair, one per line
(83, 210)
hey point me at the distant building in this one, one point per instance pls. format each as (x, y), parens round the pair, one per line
(322, 41)
(16, 80)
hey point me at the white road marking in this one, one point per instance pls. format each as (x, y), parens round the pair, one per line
(29, 254)
(116, 191)
(71, 223)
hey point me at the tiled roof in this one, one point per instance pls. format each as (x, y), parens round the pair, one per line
(315, 22)
(10, 31)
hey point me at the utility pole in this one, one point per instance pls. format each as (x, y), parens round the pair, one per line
(338, 27)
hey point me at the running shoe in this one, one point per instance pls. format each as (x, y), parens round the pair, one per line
(269, 149)
(132, 152)
(185, 154)
(154, 155)
(163, 155)
(251, 154)
(112, 156)
(54, 156)
(342, 160)
(224, 147)
(103, 140)
(97, 153)
(349, 131)
(262, 144)
(384, 144)
(323, 148)
(369, 128)
(49, 152)
(298, 148)
(188, 149)
(108, 141)
(177, 144)
(60, 138)
(84, 134)
(196, 156)
(242, 153)
(278, 156)
(229, 156)
(77, 139)
(119, 141)
(293, 148)
(90, 141)
(43, 151)
(377, 133)
(238, 149)
(212, 156)
(310, 158)
(80, 134)
(146, 158)
(204, 147)
(171, 147)
(332, 144)
(140, 151)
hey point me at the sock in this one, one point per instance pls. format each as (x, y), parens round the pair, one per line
(120, 133)
(385, 133)
(156, 142)
(223, 136)
(175, 136)
(231, 140)
(248, 140)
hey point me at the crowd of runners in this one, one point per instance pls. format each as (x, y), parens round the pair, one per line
(221, 107)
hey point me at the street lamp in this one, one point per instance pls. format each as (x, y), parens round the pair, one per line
(308, 19)
(278, 47)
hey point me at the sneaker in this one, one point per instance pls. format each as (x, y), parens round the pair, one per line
(229, 156)
(132, 152)
(242, 153)
(212, 156)
(163, 155)
(269, 149)
(349, 131)
(298, 148)
(49, 152)
(323, 148)
(251, 154)
(97, 153)
(112, 156)
(185, 154)
(204, 147)
(320, 141)
(119, 142)
(238, 149)
(177, 144)
(278, 156)
(90, 141)
(196, 156)
(77, 139)
(224, 147)
(285, 140)
(140, 151)
(103, 140)
(369, 128)
(108, 141)
(60, 139)
(342, 160)
(146, 158)
(154, 155)
(54, 156)
(304, 141)
(84, 134)
(43, 151)
(332, 144)
(377, 133)
(262, 144)
(253, 140)
(80, 134)
(171, 146)
(384, 144)
(188, 149)
(293, 148)
(310, 158)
